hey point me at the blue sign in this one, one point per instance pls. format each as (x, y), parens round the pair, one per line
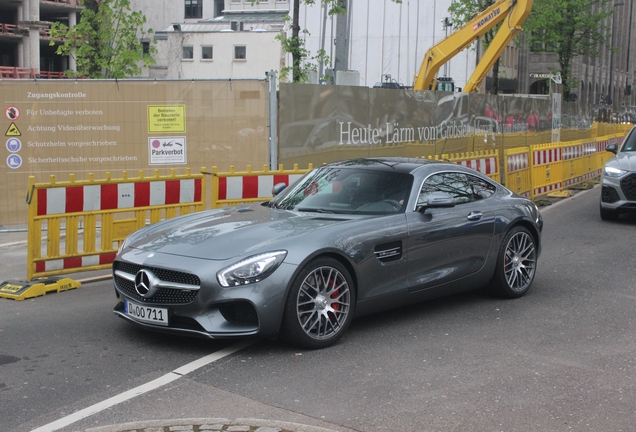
(14, 161)
(14, 145)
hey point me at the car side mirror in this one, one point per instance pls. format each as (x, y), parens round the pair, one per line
(612, 148)
(278, 188)
(437, 200)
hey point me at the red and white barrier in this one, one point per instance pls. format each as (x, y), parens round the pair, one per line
(545, 189)
(485, 166)
(255, 186)
(73, 199)
(541, 157)
(518, 162)
(74, 262)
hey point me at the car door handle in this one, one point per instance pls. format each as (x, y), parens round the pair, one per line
(473, 216)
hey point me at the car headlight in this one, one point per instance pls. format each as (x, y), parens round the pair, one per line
(613, 172)
(250, 270)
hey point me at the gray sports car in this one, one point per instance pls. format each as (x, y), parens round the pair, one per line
(618, 192)
(349, 238)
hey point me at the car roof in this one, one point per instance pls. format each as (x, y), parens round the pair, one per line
(400, 164)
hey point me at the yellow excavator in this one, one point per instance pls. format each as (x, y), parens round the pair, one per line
(511, 13)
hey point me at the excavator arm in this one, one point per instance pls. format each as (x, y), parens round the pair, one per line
(511, 13)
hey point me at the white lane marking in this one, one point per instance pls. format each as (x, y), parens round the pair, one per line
(144, 388)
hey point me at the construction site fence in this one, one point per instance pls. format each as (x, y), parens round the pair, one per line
(79, 225)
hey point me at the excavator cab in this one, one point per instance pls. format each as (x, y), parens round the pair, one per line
(443, 84)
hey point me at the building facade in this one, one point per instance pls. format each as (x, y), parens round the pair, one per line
(209, 39)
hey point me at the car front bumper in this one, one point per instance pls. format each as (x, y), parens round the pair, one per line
(618, 194)
(211, 311)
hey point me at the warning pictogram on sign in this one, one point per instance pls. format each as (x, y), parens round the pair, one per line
(13, 130)
(12, 113)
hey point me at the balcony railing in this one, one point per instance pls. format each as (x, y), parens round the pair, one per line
(52, 74)
(67, 2)
(8, 28)
(16, 72)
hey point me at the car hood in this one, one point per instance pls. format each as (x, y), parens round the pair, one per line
(625, 161)
(226, 233)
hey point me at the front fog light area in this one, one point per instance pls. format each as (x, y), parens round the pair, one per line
(250, 270)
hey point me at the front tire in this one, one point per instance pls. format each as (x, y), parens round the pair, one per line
(516, 264)
(319, 306)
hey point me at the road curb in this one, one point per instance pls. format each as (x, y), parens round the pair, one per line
(212, 424)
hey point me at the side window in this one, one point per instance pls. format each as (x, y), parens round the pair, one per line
(463, 187)
(481, 188)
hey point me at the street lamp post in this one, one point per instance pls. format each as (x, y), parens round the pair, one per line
(446, 23)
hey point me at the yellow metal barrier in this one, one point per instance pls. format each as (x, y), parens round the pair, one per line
(232, 188)
(545, 168)
(517, 171)
(116, 207)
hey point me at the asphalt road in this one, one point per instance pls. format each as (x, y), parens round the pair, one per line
(561, 358)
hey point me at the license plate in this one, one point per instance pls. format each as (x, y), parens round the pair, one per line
(147, 314)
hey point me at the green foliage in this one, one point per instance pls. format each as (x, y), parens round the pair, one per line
(106, 42)
(569, 28)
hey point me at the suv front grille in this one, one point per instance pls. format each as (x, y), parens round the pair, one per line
(628, 186)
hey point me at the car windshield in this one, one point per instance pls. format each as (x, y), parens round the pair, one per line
(348, 190)
(630, 143)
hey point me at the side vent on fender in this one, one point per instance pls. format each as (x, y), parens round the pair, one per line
(388, 252)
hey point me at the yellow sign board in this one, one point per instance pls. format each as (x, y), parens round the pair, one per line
(11, 288)
(166, 118)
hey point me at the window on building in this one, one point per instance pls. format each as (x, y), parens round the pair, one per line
(206, 52)
(187, 52)
(193, 9)
(240, 52)
(145, 48)
(219, 5)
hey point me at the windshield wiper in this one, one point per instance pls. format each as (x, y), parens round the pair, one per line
(315, 210)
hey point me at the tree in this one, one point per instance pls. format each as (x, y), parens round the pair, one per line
(462, 11)
(106, 42)
(569, 28)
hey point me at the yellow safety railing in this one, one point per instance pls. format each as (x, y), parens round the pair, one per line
(234, 187)
(78, 225)
(517, 173)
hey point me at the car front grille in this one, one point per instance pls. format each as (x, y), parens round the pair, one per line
(163, 295)
(628, 186)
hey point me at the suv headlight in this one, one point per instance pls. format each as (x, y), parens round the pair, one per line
(250, 270)
(613, 172)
